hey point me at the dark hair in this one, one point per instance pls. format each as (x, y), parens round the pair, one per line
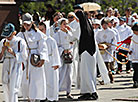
(135, 27)
(36, 17)
(78, 6)
(33, 27)
(42, 24)
(128, 9)
(62, 21)
(104, 21)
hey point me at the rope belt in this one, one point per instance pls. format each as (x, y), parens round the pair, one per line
(9, 63)
(31, 48)
(8, 57)
(50, 55)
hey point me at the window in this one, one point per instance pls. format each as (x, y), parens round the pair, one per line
(7, 2)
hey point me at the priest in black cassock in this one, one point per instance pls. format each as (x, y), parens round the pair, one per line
(87, 52)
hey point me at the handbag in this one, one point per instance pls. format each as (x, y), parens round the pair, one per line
(67, 58)
(35, 58)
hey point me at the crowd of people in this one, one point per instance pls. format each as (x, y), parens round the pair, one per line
(58, 52)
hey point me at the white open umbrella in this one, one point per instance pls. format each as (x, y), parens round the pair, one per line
(89, 6)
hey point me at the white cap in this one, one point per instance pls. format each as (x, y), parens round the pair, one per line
(96, 21)
(135, 14)
(27, 18)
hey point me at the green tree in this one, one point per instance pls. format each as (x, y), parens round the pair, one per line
(60, 5)
(121, 5)
(31, 7)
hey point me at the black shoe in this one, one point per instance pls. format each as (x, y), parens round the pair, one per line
(85, 96)
(94, 96)
(69, 96)
(42, 100)
(135, 85)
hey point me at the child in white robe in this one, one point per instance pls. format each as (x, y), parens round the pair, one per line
(134, 53)
(51, 67)
(63, 37)
(13, 50)
(34, 82)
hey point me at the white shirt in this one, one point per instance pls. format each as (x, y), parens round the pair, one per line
(53, 52)
(75, 29)
(96, 31)
(134, 48)
(36, 41)
(107, 36)
(63, 40)
(117, 34)
(131, 20)
(124, 31)
(20, 56)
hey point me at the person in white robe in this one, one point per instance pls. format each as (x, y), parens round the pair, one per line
(96, 26)
(107, 36)
(110, 25)
(63, 38)
(134, 53)
(129, 18)
(73, 22)
(87, 52)
(34, 82)
(124, 32)
(89, 56)
(13, 50)
(51, 67)
(110, 15)
(55, 27)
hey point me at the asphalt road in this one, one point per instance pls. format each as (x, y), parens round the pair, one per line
(119, 91)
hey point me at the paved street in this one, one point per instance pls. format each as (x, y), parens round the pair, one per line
(120, 90)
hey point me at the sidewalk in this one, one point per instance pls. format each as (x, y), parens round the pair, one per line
(120, 91)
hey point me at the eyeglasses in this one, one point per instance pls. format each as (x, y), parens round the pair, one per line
(28, 25)
(70, 17)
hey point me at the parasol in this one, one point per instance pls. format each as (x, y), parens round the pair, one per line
(89, 6)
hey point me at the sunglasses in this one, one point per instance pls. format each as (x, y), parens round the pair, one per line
(27, 24)
(70, 17)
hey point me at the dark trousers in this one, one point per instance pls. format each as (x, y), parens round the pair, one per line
(120, 58)
(110, 66)
(135, 74)
(98, 72)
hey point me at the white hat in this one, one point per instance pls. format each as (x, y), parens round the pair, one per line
(27, 18)
(60, 20)
(135, 14)
(96, 21)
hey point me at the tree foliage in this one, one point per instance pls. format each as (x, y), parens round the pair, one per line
(60, 5)
(121, 5)
(67, 5)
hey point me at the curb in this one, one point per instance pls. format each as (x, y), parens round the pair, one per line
(126, 99)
